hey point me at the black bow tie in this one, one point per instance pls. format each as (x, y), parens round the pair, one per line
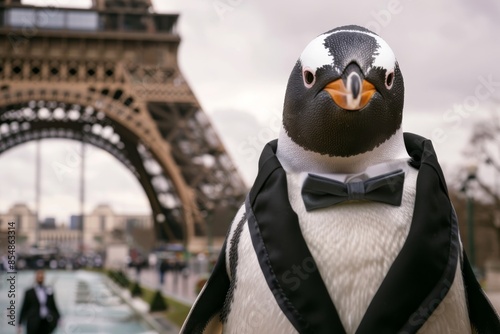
(320, 192)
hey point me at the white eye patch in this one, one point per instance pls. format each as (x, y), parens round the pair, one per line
(317, 55)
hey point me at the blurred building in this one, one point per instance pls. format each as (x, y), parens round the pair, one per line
(25, 223)
(48, 223)
(61, 237)
(74, 222)
(101, 227)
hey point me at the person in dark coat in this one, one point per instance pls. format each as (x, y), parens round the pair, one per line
(163, 268)
(39, 310)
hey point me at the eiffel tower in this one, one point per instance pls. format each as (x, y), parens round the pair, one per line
(108, 76)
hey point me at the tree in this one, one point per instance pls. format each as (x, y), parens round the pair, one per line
(484, 179)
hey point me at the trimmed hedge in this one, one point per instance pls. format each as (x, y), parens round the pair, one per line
(119, 278)
(158, 303)
(136, 290)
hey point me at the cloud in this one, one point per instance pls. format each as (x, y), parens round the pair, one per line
(244, 137)
(249, 52)
(238, 64)
(442, 52)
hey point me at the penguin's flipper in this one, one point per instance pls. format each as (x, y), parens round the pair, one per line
(483, 316)
(204, 317)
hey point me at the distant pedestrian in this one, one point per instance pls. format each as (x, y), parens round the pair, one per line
(162, 269)
(186, 271)
(4, 263)
(176, 269)
(39, 310)
(139, 263)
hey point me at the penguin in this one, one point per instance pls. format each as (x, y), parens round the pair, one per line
(348, 227)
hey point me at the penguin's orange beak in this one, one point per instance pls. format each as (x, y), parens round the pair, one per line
(354, 97)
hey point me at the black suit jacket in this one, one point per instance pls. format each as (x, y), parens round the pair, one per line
(30, 310)
(415, 285)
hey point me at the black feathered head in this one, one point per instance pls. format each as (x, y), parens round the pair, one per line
(345, 94)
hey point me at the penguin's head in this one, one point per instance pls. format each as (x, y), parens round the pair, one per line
(345, 94)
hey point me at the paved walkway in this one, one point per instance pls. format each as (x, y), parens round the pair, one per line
(175, 285)
(87, 303)
(494, 297)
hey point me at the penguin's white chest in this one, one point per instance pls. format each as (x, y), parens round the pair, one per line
(354, 245)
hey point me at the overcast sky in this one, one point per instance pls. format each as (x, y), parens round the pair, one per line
(237, 56)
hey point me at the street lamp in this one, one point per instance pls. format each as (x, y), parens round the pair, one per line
(471, 175)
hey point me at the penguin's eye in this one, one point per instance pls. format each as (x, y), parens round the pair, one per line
(309, 77)
(389, 80)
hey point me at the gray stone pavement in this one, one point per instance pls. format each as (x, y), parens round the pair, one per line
(494, 297)
(492, 288)
(89, 302)
(177, 286)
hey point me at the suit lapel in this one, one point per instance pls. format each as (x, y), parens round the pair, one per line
(424, 270)
(206, 309)
(280, 248)
(34, 297)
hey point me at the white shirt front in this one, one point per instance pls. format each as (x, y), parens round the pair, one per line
(41, 294)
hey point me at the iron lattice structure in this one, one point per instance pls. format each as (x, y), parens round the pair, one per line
(109, 76)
